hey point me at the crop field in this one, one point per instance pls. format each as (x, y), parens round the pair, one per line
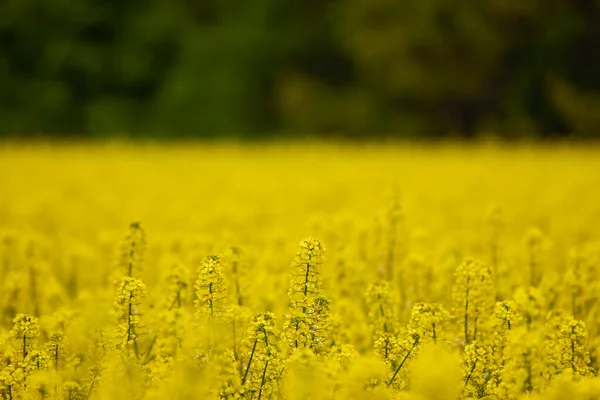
(299, 271)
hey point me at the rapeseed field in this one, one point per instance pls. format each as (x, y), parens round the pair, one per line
(299, 271)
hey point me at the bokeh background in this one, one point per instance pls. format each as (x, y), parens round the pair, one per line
(297, 68)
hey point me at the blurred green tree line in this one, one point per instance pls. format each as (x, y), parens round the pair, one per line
(353, 68)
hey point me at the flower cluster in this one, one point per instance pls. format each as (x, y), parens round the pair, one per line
(210, 288)
(26, 329)
(429, 321)
(130, 294)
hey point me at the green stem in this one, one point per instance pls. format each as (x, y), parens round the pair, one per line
(249, 362)
(306, 285)
(572, 349)
(532, 263)
(131, 327)
(403, 361)
(56, 357)
(237, 284)
(297, 327)
(24, 346)
(210, 300)
(91, 388)
(148, 352)
(131, 253)
(385, 327)
(527, 385)
(262, 382)
(470, 373)
(386, 347)
(235, 354)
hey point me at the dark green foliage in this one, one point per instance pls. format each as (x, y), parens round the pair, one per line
(354, 68)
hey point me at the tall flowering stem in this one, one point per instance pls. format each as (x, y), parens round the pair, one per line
(306, 281)
(130, 294)
(473, 297)
(308, 319)
(210, 288)
(26, 329)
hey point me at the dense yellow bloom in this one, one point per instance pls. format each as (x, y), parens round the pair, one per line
(206, 304)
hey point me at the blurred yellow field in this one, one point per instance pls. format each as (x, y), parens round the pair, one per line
(296, 271)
